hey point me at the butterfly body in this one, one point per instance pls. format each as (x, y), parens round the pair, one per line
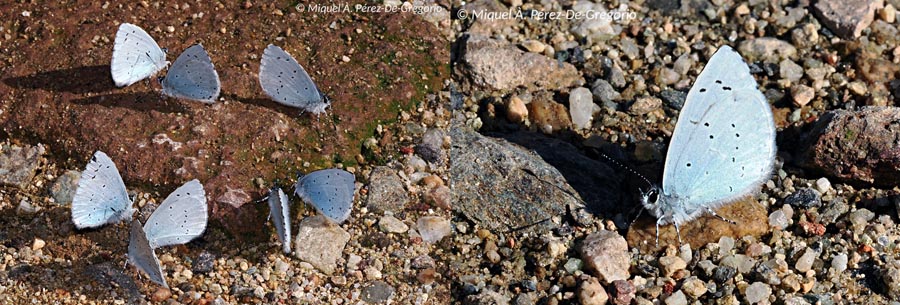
(723, 146)
(280, 212)
(285, 81)
(192, 76)
(135, 56)
(101, 197)
(329, 191)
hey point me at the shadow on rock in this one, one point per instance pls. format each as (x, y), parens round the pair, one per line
(91, 79)
(596, 182)
(140, 101)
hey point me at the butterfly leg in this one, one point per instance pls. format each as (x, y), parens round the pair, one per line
(640, 211)
(657, 233)
(678, 232)
(711, 211)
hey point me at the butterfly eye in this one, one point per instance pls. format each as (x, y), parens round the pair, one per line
(653, 195)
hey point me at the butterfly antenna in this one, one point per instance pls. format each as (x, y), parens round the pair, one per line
(629, 169)
(520, 228)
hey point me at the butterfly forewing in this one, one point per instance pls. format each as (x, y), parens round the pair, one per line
(141, 255)
(279, 210)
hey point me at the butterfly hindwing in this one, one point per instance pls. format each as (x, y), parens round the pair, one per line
(286, 82)
(193, 76)
(329, 191)
(101, 197)
(181, 217)
(135, 56)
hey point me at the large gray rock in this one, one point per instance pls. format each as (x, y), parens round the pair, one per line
(501, 185)
(495, 65)
(856, 145)
(18, 163)
(846, 18)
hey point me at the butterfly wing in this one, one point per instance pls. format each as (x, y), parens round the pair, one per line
(141, 255)
(723, 146)
(286, 82)
(181, 217)
(193, 76)
(329, 191)
(101, 197)
(136, 56)
(280, 212)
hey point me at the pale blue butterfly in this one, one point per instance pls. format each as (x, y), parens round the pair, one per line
(135, 56)
(329, 191)
(192, 76)
(723, 146)
(180, 218)
(101, 197)
(286, 82)
(280, 212)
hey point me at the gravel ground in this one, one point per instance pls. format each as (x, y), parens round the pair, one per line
(512, 183)
(389, 251)
(550, 93)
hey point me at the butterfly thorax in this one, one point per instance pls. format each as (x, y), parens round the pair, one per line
(667, 208)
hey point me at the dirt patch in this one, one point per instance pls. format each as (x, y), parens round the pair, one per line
(57, 90)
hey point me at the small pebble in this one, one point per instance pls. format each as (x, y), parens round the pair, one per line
(390, 224)
(757, 292)
(516, 111)
(677, 298)
(802, 94)
(38, 244)
(888, 13)
(693, 287)
(839, 263)
(592, 293)
(161, 294)
(671, 264)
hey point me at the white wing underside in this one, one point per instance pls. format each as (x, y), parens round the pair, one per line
(180, 218)
(135, 56)
(193, 77)
(279, 210)
(329, 191)
(723, 146)
(285, 81)
(101, 197)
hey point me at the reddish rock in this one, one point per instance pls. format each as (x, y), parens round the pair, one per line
(749, 215)
(549, 116)
(606, 253)
(845, 18)
(858, 146)
(159, 143)
(622, 292)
